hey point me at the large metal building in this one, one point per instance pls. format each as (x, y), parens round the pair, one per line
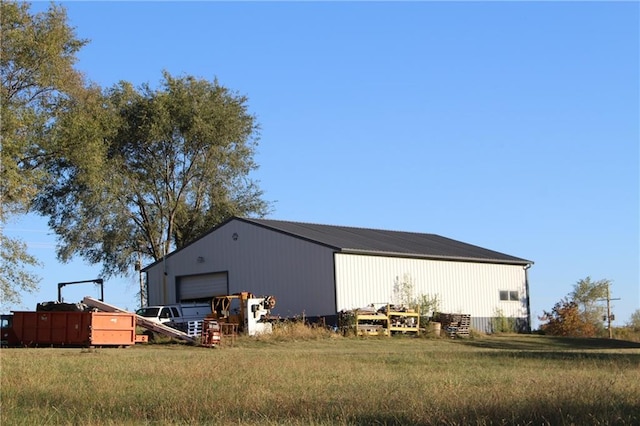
(318, 270)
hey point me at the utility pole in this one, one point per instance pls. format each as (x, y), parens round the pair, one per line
(610, 317)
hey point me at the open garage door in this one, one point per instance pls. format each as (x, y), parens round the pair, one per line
(199, 287)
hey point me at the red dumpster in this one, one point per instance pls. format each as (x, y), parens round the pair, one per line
(74, 328)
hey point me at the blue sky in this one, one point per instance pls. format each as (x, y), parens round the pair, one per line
(513, 126)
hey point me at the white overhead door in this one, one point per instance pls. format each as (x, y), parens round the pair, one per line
(202, 286)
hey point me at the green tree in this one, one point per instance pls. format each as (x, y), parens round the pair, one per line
(634, 321)
(14, 277)
(403, 295)
(588, 295)
(38, 81)
(403, 291)
(580, 314)
(161, 167)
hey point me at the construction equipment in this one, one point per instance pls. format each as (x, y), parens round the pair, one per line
(248, 313)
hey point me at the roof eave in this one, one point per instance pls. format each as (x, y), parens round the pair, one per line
(522, 262)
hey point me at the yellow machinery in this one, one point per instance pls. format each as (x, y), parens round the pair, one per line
(243, 312)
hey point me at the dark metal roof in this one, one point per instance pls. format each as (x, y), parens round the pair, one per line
(388, 243)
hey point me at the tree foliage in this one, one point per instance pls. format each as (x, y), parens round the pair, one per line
(159, 167)
(579, 314)
(38, 80)
(403, 295)
(634, 321)
(500, 323)
(588, 295)
(14, 278)
(121, 173)
(565, 319)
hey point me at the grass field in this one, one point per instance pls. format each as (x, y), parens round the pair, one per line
(525, 380)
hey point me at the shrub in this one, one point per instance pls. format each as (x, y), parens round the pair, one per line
(502, 324)
(565, 319)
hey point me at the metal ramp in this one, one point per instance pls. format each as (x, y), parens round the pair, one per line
(141, 321)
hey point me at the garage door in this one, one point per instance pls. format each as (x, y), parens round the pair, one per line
(202, 286)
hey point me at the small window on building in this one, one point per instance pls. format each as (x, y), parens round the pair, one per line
(506, 295)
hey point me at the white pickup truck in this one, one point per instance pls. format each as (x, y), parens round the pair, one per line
(180, 316)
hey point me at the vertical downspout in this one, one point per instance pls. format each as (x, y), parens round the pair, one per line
(526, 284)
(335, 290)
(146, 288)
(164, 279)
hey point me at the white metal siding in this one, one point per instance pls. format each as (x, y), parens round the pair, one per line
(202, 286)
(461, 287)
(156, 284)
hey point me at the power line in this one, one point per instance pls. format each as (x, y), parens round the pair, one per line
(609, 316)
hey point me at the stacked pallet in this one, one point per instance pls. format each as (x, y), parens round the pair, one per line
(455, 325)
(194, 328)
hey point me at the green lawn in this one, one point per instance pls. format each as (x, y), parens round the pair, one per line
(526, 380)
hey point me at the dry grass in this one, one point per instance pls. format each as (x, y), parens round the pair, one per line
(296, 331)
(303, 379)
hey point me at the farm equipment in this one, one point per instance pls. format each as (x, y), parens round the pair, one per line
(243, 312)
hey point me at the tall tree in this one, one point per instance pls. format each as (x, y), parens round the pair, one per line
(589, 295)
(634, 320)
(38, 80)
(163, 166)
(579, 314)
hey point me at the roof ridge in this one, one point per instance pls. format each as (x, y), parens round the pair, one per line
(343, 226)
(373, 240)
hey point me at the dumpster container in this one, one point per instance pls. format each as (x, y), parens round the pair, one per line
(74, 328)
(9, 337)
